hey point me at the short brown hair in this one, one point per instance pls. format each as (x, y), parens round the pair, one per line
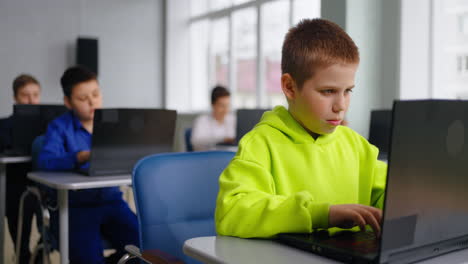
(315, 43)
(73, 76)
(218, 92)
(21, 81)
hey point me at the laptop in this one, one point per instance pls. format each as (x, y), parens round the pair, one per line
(379, 131)
(426, 202)
(29, 122)
(121, 137)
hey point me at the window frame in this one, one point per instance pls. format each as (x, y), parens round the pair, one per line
(213, 15)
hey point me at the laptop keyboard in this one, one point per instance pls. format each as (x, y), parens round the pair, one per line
(363, 242)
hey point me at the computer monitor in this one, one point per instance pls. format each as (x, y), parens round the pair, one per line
(30, 121)
(379, 132)
(246, 120)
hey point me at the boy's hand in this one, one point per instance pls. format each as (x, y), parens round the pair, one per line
(350, 215)
(83, 156)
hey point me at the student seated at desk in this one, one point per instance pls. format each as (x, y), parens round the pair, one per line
(217, 127)
(26, 90)
(67, 143)
(299, 169)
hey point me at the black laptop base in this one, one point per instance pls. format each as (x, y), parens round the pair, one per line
(347, 246)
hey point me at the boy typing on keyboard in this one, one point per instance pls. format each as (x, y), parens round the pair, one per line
(299, 169)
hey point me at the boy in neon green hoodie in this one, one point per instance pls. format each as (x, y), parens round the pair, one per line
(299, 169)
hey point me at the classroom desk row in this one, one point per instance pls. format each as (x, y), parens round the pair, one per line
(214, 249)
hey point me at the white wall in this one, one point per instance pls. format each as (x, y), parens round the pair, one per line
(38, 37)
(415, 71)
(363, 24)
(178, 57)
(374, 25)
(390, 52)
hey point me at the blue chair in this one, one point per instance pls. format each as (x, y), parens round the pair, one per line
(188, 137)
(36, 149)
(175, 196)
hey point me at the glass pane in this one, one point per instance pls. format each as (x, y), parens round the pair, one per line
(219, 4)
(219, 52)
(275, 20)
(199, 92)
(305, 9)
(198, 7)
(244, 53)
(450, 49)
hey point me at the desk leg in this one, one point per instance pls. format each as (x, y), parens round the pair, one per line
(63, 219)
(2, 210)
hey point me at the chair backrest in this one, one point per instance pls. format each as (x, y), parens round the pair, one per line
(175, 196)
(36, 149)
(188, 137)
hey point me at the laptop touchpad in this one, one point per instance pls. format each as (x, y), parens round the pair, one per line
(399, 232)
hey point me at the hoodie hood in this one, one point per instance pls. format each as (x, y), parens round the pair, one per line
(280, 118)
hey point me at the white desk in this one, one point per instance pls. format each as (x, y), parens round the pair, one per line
(4, 160)
(65, 181)
(221, 249)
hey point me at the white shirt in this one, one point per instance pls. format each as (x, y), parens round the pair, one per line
(207, 131)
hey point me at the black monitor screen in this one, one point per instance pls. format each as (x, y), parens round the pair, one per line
(30, 121)
(246, 120)
(380, 127)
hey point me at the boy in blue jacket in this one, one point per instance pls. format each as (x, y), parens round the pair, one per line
(93, 212)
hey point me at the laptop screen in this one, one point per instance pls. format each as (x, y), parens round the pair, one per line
(123, 136)
(426, 208)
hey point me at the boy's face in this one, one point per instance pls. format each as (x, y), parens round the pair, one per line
(84, 99)
(321, 104)
(28, 94)
(221, 107)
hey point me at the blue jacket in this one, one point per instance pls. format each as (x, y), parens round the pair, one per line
(66, 137)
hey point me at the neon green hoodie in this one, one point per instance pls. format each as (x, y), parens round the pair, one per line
(282, 180)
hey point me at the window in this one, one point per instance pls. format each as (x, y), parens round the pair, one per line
(219, 52)
(450, 49)
(244, 57)
(237, 43)
(275, 24)
(199, 64)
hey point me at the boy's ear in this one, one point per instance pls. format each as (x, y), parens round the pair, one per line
(288, 85)
(67, 102)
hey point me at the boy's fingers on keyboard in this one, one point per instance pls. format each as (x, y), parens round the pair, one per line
(376, 212)
(371, 220)
(350, 215)
(358, 220)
